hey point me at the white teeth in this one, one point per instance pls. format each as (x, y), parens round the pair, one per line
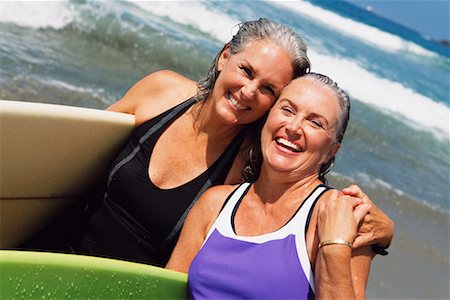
(236, 103)
(288, 144)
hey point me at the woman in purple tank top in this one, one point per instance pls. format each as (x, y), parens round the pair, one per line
(180, 147)
(286, 235)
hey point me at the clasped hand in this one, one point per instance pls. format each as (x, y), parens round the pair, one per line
(340, 216)
(351, 215)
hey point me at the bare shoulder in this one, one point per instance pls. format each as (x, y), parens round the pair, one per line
(167, 78)
(311, 235)
(329, 194)
(154, 94)
(161, 91)
(212, 200)
(324, 198)
(207, 208)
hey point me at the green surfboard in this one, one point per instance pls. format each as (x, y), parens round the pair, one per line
(43, 275)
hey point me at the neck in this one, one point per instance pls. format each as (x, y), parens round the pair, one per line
(273, 186)
(206, 123)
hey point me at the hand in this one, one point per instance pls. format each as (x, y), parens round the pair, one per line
(376, 227)
(339, 217)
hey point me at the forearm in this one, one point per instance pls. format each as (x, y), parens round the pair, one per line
(377, 227)
(333, 276)
(386, 240)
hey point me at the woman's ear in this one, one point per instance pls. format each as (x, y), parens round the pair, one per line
(223, 58)
(333, 151)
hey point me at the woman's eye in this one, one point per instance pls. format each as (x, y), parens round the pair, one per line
(246, 71)
(268, 90)
(287, 109)
(317, 123)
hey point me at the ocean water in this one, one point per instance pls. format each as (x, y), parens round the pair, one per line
(397, 147)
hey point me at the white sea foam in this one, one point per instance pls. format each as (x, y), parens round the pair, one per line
(193, 13)
(37, 14)
(70, 87)
(387, 96)
(376, 183)
(366, 33)
(365, 181)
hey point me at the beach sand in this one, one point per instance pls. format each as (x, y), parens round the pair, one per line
(418, 263)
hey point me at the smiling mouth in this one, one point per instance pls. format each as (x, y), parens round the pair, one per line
(236, 104)
(288, 144)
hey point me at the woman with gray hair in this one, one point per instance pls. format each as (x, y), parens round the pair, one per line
(181, 147)
(286, 235)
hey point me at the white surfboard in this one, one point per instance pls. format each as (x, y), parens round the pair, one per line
(49, 156)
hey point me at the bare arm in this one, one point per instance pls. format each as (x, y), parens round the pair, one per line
(196, 227)
(341, 272)
(155, 94)
(190, 241)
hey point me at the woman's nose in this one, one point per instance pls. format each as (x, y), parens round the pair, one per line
(249, 89)
(295, 126)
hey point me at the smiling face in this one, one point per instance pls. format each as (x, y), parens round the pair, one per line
(250, 81)
(299, 134)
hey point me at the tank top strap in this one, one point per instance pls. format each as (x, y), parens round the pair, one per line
(223, 163)
(299, 226)
(174, 112)
(223, 220)
(300, 221)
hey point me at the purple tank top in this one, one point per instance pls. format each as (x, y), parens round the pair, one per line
(273, 265)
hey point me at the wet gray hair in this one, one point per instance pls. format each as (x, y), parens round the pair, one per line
(341, 95)
(344, 116)
(253, 165)
(257, 30)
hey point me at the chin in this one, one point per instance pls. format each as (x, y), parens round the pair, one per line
(280, 165)
(230, 118)
(226, 115)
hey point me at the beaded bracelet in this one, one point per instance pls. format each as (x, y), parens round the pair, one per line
(335, 242)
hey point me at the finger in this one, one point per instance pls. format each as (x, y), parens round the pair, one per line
(360, 212)
(320, 211)
(320, 208)
(353, 201)
(352, 190)
(356, 191)
(360, 241)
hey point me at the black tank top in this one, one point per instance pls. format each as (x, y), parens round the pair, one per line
(136, 220)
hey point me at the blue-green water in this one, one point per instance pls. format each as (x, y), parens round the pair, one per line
(88, 53)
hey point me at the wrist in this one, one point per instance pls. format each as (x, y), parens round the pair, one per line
(336, 253)
(331, 242)
(335, 248)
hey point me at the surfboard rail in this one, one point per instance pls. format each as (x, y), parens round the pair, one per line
(43, 275)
